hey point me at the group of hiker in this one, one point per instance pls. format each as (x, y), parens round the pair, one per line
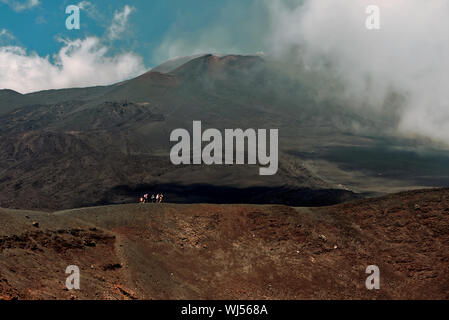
(154, 198)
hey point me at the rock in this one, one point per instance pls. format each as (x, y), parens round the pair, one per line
(322, 237)
(89, 243)
(112, 266)
(35, 224)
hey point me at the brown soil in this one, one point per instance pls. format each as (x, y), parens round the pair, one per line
(166, 251)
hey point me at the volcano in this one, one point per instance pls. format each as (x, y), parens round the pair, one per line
(75, 162)
(79, 147)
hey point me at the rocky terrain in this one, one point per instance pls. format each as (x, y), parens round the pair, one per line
(71, 148)
(207, 251)
(307, 232)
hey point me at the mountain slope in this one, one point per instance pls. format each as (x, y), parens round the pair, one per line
(103, 145)
(9, 99)
(76, 147)
(167, 251)
(172, 64)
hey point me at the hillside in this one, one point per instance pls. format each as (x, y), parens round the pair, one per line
(70, 148)
(205, 251)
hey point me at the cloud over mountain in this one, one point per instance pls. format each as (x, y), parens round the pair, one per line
(407, 56)
(79, 63)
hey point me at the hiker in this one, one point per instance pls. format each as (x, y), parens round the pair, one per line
(161, 197)
(157, 198)
(141, 200)
(145, 196)
(153, 198)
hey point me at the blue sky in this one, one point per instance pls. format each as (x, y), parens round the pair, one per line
(38, 27)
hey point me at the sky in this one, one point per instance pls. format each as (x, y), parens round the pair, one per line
(120, 39)
(38, 25)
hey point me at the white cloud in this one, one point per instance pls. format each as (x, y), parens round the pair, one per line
(91, 10)
(6, 37)
(5, 33)
(119, 22)
(409, 54)
(85, 5)
(18, 6)
(79, 63)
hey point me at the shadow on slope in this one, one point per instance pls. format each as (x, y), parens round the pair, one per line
(207, 193)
